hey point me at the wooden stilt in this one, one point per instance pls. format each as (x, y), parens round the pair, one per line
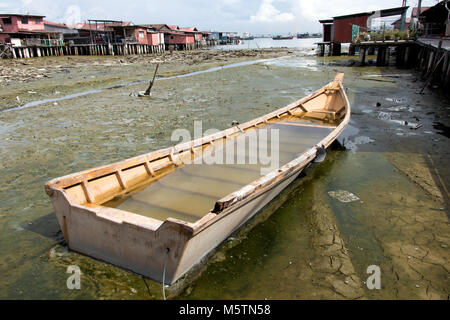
(362, 54)
(445, 67)
(380, 56)
(351, 50)
(387, 56)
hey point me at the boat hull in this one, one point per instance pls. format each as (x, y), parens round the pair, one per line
(167, 250)
(204, 242)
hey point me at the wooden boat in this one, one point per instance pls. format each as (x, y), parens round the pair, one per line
(159, 216)
(283, 38)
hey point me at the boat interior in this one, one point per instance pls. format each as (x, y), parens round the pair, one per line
(191, 191)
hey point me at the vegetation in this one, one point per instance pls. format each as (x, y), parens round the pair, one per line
(385, 35)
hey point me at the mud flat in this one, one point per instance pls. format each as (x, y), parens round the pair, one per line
(26, 80)
(304, 245)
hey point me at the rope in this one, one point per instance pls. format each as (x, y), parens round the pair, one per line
(164, 274)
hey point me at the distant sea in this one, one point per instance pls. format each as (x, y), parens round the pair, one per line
(261, 43)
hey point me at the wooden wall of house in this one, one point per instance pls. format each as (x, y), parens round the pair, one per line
(153, 38)
(343, 28)
(16, 24)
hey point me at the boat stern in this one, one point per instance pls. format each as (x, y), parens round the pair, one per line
(143, 245)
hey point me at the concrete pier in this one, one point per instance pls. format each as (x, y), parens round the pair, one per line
(334, 48)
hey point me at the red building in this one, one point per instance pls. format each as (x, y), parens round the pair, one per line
(343, 26)
(193, 30)
(175, 37)
(20, 29)
(97, 31)
(339, 29)
(179, 38)
(131, 34)
(327, 29)
(154, 38)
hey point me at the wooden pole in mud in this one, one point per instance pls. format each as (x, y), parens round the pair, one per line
(149, 89)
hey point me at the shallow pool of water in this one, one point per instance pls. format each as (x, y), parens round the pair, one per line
(191, 191)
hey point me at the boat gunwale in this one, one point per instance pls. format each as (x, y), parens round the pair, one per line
(70, 180)
(267, 182)
(247, 192)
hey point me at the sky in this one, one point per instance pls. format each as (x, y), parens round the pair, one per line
(253, 16)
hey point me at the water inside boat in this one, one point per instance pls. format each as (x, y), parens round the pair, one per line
(190, 191)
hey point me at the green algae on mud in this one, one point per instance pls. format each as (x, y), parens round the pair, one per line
(279, 253)
(69, 75)
(278, 260)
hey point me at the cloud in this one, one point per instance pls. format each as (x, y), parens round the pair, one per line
(268, 13)
(72, 14)
(254, 16)
(230, 2)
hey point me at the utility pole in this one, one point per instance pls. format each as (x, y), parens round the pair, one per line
(419, 9)
(403, 21)
(447, 23)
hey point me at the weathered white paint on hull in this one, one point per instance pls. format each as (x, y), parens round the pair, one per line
(143, 251)
(204, 242)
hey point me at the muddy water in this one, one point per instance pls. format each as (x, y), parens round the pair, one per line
(277, 258)
(396, 224)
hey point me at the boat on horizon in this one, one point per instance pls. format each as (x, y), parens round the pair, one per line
(283, 38)
(159, 214)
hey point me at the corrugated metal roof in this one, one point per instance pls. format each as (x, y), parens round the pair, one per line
(55, 24)
(100, 26)
(158, 27)
(189, 29)
(32, 32)
(383, 13)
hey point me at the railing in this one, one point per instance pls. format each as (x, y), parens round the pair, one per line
(42, 42)
(31, 42)
(51, 42)
(384, 35)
